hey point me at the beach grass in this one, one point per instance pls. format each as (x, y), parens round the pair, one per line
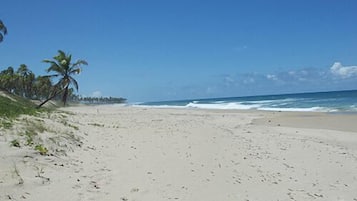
(12, 108)
(27, 127)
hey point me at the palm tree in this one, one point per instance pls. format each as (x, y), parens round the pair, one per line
(42, 87)
(3, 30)
(8, 80)
(64, 69)
(26, 79)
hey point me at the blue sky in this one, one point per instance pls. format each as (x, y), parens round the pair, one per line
(181, 49)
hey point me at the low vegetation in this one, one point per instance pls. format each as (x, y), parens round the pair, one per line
(41, 149)
(44, 130)
(12, 106)
(15, 143)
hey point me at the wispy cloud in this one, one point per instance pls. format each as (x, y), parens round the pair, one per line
(97, 94)
(337, 77)
(271, 77)
(343, 71)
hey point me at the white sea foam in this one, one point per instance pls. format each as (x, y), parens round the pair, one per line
(160, 106)
(217, 102)
(353, 108)
(120, 105)
(196, 104)
(224, 106)
(274, 101)
(239, 106)
(312, 109)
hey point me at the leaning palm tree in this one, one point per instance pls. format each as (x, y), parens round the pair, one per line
(64, 69)
(3, 30)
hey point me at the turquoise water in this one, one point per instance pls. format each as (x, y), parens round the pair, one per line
(335, 101)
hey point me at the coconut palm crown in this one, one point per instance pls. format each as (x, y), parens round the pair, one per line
(64, 69)
(3, 31)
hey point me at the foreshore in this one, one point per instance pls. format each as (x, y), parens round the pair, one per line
(129, 153)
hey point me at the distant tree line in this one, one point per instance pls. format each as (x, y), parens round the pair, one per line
(99, 100)
(23, 82)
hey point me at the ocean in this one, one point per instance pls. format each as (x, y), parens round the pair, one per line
(334, 101)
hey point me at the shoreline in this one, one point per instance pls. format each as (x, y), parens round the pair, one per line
(136, 153)
(294, 119)
(312, 120)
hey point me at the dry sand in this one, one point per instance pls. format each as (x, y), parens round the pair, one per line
(128, 153)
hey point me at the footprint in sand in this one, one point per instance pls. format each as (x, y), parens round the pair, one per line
(134, 190)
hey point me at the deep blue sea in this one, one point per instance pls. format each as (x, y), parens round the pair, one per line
(335, 101)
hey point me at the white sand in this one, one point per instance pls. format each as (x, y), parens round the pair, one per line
(182, 154)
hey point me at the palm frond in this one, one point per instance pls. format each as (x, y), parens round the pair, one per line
(80, 62)
(74, 82)
(69, 58)
(61, 55)
(56, 68)
(63, 83)
(50, 76)
(50, 62)
(47, 61)
(75, 71)
(3, 28)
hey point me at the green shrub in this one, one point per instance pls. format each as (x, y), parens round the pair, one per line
(41, 149)
(15, 143)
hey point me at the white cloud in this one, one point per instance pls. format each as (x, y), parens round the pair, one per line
(291, 72)
(228, 79)
(249, 80)
(337, 77)
(97, 94)
(271, 77)
(343, 71)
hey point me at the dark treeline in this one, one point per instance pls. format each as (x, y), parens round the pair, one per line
(23, 82)
(98, 100)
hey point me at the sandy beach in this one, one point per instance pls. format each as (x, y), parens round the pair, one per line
(125, 153)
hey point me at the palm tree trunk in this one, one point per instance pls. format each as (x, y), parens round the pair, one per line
(48, 99)
(65, 94)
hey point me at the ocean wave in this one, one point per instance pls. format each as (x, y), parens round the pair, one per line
(353, 108)
(223, 106)
(311, 109)
(280, 101)
(308, 102)
(240, 106)
(159, 106)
